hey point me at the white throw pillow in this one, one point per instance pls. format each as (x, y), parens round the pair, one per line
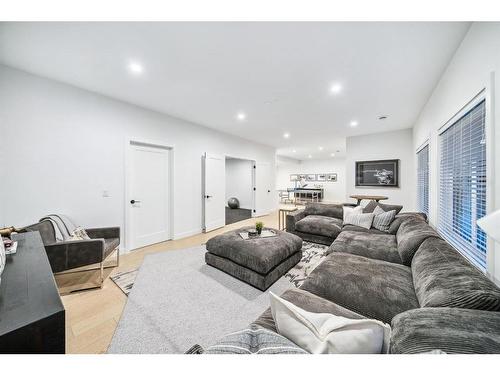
(360, 220)
(382, 220)
(327, 333)
(352, 211)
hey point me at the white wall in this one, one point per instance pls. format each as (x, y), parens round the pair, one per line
(65, 146)
(474, 67)
(388, 145)
(334, 191)
(239, 181)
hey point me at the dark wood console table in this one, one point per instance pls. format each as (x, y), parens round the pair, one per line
(32, 317)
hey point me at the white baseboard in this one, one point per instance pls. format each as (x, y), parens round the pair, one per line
(189, 233)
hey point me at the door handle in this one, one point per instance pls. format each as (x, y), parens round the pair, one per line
(134, 201)
(208, 196)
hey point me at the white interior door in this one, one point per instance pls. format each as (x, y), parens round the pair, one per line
(214, 192)
(148, 198)
(263, 189)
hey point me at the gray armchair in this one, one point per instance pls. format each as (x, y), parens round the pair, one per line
(79, 255)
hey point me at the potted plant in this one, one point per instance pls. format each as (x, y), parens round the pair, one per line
(258, 226)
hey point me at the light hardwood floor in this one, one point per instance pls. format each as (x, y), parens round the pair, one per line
(92, 316)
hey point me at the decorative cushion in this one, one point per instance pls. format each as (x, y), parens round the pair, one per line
(324, 209)
(382, 219)
(254, 340)
(360, 220)
(322, 333)
(410, 235)
(386, 207)
(450, 330)
(366, 244)
(372, 288)
(309, 301)
(352, 211)
(321, 225)
(444, 278)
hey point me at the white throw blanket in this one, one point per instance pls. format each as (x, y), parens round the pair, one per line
(64, 229)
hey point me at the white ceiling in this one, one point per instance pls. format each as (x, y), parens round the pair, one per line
(279, 74)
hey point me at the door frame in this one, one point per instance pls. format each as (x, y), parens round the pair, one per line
(170, 199)
(253, 187)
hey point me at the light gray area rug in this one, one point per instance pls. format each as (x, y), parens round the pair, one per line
(178, 301)
(313, 254)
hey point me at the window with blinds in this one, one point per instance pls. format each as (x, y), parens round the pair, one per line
(462, 197)
(423, 180)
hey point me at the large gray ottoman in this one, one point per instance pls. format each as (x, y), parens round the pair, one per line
(256, 261)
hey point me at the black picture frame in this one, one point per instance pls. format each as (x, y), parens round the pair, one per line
(377, 173)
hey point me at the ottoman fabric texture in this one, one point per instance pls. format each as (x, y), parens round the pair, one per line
(257, 261)
(258, 254)
(260, 281)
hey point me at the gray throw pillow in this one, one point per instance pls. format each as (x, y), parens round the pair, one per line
(382, 220)
(386, 207)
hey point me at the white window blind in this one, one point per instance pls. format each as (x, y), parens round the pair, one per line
(423, 180)
(463, 184)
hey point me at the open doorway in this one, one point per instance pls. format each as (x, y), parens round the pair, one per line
(240, 200)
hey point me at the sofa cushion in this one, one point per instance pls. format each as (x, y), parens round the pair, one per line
(355, 228)
(448, 329)
(398, 220)
(444, 278)
(381, 247)
(325, 209)
(373, 288)
(386, 207)
(309, 302)
(322, 225)
(382, 220)
(410, 235)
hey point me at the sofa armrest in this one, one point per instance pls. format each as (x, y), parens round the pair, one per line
(292, 218)
(451, 330)
(109, 232)
(73, 254)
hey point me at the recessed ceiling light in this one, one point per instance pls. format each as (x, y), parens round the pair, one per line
(320, 148)
(241, 116)
(286, 135)
(354, 123)
(332, 154)
(335, 88)
(309, 156)
(294, 151)
(135, 68)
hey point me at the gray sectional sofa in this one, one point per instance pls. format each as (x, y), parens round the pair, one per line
(408, 277)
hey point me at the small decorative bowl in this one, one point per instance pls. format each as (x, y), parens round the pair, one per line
(252, 233)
